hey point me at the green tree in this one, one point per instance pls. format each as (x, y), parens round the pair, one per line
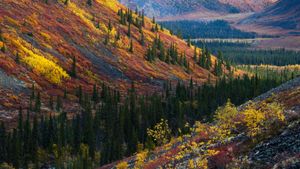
(73, 70)
(37, 107)
(58, 103)
(66, 2)
(89, 2)
(131, 46)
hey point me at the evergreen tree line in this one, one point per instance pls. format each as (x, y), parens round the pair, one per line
(111, 127)
(241, 53)
(213, 29)
(171, 55)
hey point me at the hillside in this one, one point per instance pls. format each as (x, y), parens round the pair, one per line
(284, 14)
(60, 46)
(262, 133)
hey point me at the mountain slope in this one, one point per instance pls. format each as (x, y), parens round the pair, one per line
(283, 14)
(275, 146)
(42, 44)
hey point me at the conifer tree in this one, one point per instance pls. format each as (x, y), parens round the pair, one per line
(143, 19)
(195, 54)
(66, 2)
(3, 48)
(142, 40)
(189, 42)
(73, 70)
(17, 58)
(37, 107)
(65, 93)
(32, 96)
(58, 103)
(51, 103)
(89, 2)
(129, 30)
(131, 46)
(95, 96)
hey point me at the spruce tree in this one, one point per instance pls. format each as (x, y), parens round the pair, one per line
(37, 107)
(3, 48)
(65, 94)
(89, 2)
(58, 103)
(66, 2)
(73, 70)
(131, 46)
(142, 40)
(17, 58)
(51, 102)
(129, 30)
(95, 96)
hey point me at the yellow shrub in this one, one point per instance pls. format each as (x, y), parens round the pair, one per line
(254, 120)
(45, 36)
(112, 4)
(39, 64)
(225, 116)
(11, 20)
(122, 165)
(191, 164)
(160, 133)
(140, 158)
(82, 14)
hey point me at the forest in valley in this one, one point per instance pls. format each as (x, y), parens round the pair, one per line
(111, 126)
(242, 53)
(205, 29)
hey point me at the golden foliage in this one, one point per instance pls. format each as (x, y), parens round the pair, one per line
(112, 4)
(11, 21)
(256, 120)
(45, 36)
(39, 64)
(140, 159)
(122, 165)
(160, 133)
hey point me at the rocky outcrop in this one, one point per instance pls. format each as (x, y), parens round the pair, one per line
(278, 148)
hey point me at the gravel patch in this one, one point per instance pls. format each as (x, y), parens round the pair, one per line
(12, 83)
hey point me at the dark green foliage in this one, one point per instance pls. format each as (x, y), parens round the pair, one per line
(241, 53)
(37, 107)
(66, 2)
(3, 48)
(153, 20)
(95, 95)
(129, 30)
(51, 104)
(142, 40)
(73, 72)
(131, 46)
(58, 103)
(89, 2)
(213, 29)
(17, 58)
(65, 93)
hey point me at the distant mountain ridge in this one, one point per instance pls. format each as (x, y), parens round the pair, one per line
(283, 14)
(165, 8)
